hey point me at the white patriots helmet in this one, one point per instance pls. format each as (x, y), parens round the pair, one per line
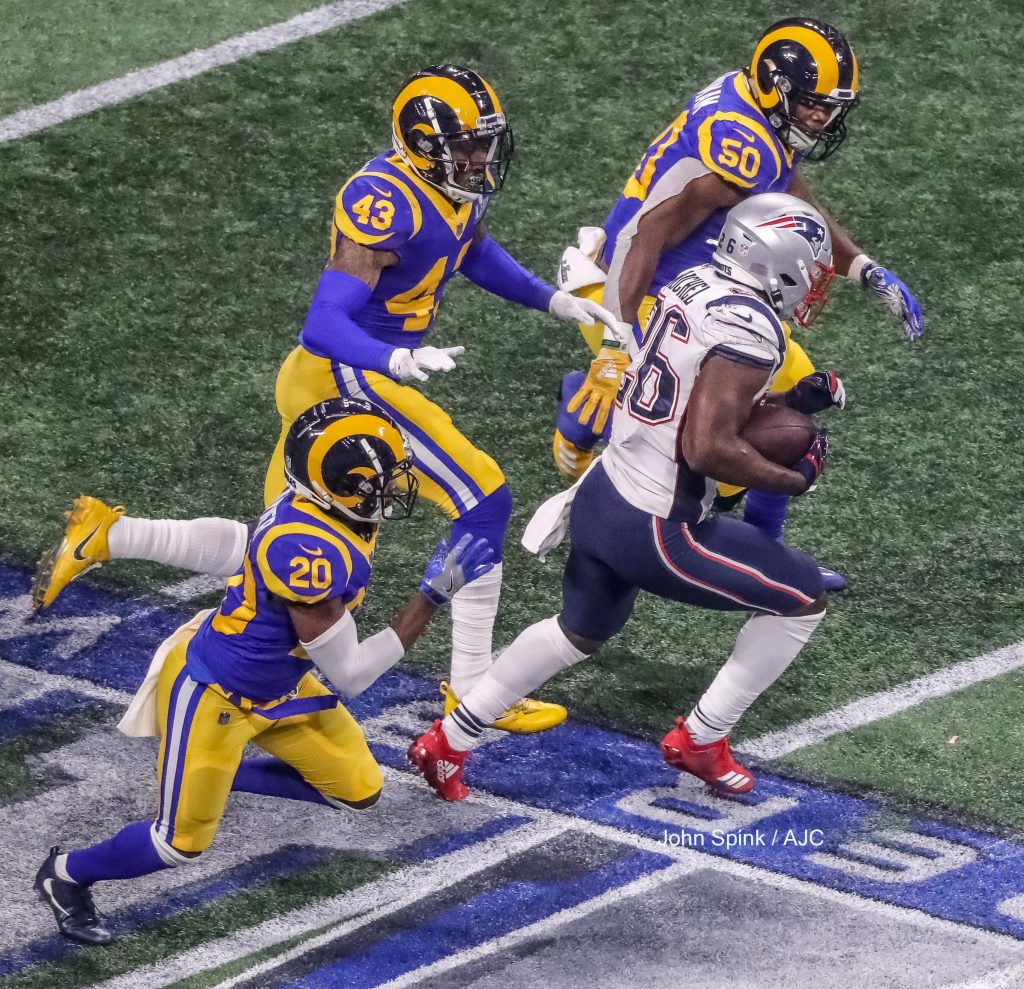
(781, 246)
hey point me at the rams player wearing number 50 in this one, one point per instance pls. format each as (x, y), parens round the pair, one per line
(746, 133)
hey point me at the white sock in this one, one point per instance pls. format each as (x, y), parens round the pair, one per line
(474, 609)
(765, 647)
(534, 658)
(213, 546)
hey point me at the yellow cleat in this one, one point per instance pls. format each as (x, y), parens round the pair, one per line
(524, 717)
(83, 548)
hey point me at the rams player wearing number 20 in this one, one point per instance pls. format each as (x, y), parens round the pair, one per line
(746, 133)
(243, 672)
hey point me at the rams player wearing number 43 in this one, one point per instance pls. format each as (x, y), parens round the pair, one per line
(403, 225)
(243, 673)
(746, 133)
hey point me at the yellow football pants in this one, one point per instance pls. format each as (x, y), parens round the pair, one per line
(795, 365)
(202, 735)
(453, 473)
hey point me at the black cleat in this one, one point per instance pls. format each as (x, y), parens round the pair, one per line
(72, 905)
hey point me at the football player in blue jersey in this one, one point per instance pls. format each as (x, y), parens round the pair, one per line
(746, 133)
(243, 672)
(403, 225)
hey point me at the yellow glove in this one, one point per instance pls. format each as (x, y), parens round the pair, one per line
(597, 393)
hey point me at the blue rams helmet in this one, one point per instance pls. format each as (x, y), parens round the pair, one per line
(803, 61)
(780, 246)
(350, 458)
(449, 127)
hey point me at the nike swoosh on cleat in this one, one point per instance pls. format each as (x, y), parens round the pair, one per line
(48, 889)
(77, 554)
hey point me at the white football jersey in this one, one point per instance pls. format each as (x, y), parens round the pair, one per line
(700, 313)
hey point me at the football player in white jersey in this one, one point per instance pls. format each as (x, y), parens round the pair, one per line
(641, 518)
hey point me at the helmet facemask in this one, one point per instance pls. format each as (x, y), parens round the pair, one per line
(465, 165)
(813, 146)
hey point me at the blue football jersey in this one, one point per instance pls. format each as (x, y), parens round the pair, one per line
(387, 206)
(297, 553)
(721, 130)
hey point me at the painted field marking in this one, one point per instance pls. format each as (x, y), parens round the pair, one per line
(47, 682)
(885, 703)
(126, 87)
(341, 914)
(1008, 978)
(541, 928)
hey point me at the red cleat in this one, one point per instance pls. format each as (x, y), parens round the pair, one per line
(712, 763)
(439, 764)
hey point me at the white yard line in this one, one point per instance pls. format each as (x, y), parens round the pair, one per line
(1007, 978)
(341, 914)
(47, 682)
(541, 928)
(126, 87)
(874, 707)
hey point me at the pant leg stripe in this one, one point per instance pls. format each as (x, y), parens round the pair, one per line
(671, 564)
(165, 770)
(348, 385)
(744, 568)
(184, 711)
(443, 468)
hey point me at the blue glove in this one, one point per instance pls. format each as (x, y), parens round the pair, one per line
(895, 294)
(812, 463)
(451, 569)
(817, 392)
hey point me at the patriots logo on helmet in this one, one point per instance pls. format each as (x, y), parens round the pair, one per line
(810, 229)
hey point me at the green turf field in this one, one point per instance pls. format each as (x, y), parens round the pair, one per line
(158, 257)
(53, 49)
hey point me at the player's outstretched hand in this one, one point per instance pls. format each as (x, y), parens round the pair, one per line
(451, 569)
(817, 392)
(893, 292)
(408, 365)
(812, 463)
(597, 393)
(586, 311)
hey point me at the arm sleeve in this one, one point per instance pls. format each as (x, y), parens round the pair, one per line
(331, 332)
(491, 267)
(349, 664)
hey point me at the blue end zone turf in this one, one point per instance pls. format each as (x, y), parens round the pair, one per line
(590, 776)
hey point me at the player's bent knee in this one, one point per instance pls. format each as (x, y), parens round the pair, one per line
(363, 804)
(489, 518)
(586, 646)
(819, 604)
(169, 854)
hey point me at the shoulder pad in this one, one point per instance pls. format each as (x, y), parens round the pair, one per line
(739, 149)
(300, 564)
(377, 210)
(743, 327)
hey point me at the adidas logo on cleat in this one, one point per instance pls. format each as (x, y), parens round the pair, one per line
(445, 770)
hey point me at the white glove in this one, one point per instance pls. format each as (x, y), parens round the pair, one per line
(406, 364)
(577, 310)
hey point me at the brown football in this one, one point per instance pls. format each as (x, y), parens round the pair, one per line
(780, 434)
